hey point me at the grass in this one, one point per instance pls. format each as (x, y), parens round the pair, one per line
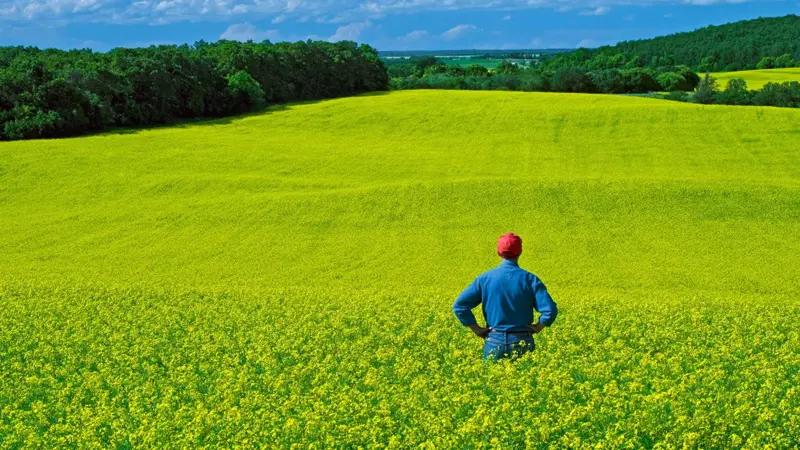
(286, 278)
(756, 79)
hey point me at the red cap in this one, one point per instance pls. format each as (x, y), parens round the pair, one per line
(509, 245)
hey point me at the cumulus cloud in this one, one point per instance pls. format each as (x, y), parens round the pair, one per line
(248, 32)
(459, 31)
(507, 18)
(599, 11)
(586, 43)
(350, 32)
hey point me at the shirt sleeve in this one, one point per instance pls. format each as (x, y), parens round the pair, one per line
(470, 298)
(543, 303)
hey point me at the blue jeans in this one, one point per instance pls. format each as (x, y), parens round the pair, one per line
(500, 344)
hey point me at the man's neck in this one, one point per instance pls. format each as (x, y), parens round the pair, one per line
(509, 262)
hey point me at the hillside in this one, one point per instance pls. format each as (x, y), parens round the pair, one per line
(286, 278)
(734, 46)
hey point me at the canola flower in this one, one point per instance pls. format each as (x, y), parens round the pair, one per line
(285, 280)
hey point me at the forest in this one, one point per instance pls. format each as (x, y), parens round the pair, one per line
(54, 93)
(763, 43)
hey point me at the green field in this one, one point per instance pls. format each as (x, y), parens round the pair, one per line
(286, 277)
(485, 62)
(756, 79)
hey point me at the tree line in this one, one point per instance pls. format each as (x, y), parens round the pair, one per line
(429, 73)
(54, 93)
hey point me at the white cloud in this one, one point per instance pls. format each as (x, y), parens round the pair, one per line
(599, 11)
(248, 32)
(415, 35)
(507, 18)
(86, 5)
(278, 19)
(164, 5)
(32, 10)
(459, 31)
(586, 43)
(350, 32)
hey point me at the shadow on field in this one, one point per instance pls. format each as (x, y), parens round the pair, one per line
(204, 121)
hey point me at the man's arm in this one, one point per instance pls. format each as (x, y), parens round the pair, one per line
(470, 298)
(543, 304)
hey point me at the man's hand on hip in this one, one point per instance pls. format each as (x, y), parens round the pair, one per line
(535, 329)
(480, 331)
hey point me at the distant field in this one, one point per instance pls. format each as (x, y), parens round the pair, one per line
(286, 277)
(488, 63)
(756, 79)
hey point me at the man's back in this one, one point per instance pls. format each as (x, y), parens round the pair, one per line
(508, 295)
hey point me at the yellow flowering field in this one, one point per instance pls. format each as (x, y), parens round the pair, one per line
(756, 79)
(284, 279)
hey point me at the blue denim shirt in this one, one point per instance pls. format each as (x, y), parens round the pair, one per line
(508, 295)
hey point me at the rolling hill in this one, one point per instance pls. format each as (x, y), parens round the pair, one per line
(717, 48)
(286, 278)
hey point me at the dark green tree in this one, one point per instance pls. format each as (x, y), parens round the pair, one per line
(571, 79)
(706, 91)
(672, 81)
(507, 68)
(766, 62)
(735, 93)
(784, 60)
(246, 90)
(476, 70)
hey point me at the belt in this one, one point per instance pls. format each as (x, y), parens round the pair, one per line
(510, 332)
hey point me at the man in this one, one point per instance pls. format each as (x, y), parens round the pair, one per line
(508, 295)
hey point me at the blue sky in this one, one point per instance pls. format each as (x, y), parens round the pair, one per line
(385, 24)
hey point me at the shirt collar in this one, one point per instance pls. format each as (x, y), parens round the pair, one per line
(509, 262)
